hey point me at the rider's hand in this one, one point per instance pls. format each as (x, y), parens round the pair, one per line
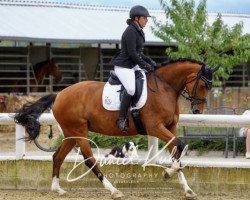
(149, 68)
(153, 63)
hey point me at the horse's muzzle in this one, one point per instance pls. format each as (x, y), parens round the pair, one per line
(195, 109)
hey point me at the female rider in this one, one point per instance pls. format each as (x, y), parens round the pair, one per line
(131, 58)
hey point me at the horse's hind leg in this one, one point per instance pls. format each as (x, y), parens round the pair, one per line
(92, 164)
(58, 159)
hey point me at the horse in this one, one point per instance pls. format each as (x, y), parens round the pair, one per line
(46, 68)
(78, 109)
(40, 70)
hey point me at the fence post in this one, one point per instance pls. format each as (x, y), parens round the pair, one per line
(20, 144)
(153, 146)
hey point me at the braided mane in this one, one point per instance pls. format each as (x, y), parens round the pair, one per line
(181, 60)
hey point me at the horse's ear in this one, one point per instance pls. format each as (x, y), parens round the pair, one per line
(203, 68)
(216, 68)
(52, 60)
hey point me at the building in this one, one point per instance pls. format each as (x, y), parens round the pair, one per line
(82, 38)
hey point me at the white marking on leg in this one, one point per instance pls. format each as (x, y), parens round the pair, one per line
(108, 185)
(182, 180)
(56, 187)
(176, 165)
(114, 192)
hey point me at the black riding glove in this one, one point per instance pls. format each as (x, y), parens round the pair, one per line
(149, 68)
(153, 63)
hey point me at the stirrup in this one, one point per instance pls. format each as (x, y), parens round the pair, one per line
(123, 124)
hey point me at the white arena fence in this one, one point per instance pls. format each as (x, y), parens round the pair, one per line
(201, 120)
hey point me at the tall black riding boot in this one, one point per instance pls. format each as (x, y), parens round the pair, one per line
(122, 122)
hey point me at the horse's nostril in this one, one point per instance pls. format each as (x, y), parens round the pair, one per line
(196, 111)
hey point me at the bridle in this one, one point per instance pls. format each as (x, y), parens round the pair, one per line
(204, 74)
(196, 100)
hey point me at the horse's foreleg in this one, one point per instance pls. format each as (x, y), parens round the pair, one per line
(58, 159)
(189, 194)
(92, 164)
(175, 148)
(176, 153)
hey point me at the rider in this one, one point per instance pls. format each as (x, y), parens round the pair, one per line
(131, 58)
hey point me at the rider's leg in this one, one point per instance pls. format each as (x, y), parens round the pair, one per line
(122, 122)
(127, 78)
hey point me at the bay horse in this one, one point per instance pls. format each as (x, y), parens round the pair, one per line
(40, 71)
(78, 109)
(43, 69)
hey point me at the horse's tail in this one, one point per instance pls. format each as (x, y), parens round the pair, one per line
(27, 116)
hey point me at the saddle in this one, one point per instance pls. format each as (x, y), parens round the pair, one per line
(113, 92)
(139, 80)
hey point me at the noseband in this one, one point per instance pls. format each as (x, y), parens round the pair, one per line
(192, 97)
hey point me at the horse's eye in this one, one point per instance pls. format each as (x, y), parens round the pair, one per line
(202, 86)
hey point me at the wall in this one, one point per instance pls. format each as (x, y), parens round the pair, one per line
(90, 59)
(19, 174)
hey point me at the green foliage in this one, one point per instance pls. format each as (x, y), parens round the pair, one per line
(103, 141)
(109, 142)
(187, 25)
(216, 145)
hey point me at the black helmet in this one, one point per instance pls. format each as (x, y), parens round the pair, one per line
(138, 11)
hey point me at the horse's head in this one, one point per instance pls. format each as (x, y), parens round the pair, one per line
(54, 70)
(197, 88)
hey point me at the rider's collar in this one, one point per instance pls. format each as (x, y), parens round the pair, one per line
(136, 25)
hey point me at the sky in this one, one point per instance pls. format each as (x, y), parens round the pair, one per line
(231, 6)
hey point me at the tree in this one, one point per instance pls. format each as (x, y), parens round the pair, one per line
(188, 26)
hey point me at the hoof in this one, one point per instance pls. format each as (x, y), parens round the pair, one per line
(117, 195)
(60, 191)
(190, 195)
(165, 175)
(168, 173)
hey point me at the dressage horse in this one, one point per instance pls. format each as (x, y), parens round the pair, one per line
(78, 109)
(40, 70)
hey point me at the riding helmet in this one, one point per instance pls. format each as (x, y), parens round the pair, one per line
(138, 11)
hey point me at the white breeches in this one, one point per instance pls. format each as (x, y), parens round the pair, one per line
(127, 77)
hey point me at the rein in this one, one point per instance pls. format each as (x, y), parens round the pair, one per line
(156, 83)
(184, 92)
(163, 80)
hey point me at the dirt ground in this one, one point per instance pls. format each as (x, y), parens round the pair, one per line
(101, 195)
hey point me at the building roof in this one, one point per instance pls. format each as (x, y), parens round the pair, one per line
(39, 21)
(221, 6)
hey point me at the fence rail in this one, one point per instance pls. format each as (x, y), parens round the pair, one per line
(185, 120)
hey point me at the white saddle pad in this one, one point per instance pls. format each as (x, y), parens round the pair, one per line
(111, 96)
